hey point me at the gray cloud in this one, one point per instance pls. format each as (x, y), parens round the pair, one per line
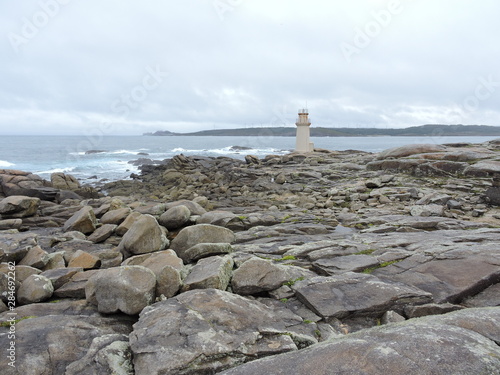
(71, 67)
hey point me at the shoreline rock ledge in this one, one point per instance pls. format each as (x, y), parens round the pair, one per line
(330, 262)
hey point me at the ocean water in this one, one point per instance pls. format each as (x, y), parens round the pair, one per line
(110, 155)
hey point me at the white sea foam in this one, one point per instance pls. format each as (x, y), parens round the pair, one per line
(57, 170)
(5, 164)
(101, 153)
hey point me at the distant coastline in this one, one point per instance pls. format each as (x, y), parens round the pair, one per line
(414, 131)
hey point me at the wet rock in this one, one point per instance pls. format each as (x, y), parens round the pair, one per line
(213, 272)
(16, 206)
(457, 343)
(144, 236)
(356, 294)
(83, 221)
(175, 217)
(35, 288)
(201, 233)
(209, 330)
(127, 289)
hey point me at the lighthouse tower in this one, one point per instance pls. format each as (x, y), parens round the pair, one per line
(303, 143)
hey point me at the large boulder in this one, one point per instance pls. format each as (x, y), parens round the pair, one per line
(102, 233)
(75, 287)
(36, 257)
(126, 224)
(15, 246)
(64, 181)
(115, 216)
(203, 250)
(204, 331)
(144, 236)
(18, 206)
(193, 207)
(84, 260)
(257, 275)
(11, 224)
(14, 182)
(408, 150)
(167, 267)
(219, 218)
(35, 288)
(128, 289)
(175, 217)
(213, 272)
(82, 221)
(202, 233)
(463, 342)
(483, 168)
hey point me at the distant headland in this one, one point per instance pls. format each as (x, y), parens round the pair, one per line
(414, 131)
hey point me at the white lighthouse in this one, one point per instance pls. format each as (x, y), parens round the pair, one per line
(303, 142)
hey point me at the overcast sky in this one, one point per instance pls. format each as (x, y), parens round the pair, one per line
(129, 67)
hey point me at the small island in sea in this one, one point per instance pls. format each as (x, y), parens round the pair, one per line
(413, 131)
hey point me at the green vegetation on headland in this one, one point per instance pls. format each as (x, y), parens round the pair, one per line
(414, 131)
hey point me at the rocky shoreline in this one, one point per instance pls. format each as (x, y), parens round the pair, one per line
(322, 263)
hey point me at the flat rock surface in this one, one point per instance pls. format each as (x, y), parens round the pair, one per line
(48, 344)
(356, 294)
(209, 330)
(462, 343)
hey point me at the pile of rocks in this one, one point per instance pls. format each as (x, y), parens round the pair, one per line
(329, 262)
